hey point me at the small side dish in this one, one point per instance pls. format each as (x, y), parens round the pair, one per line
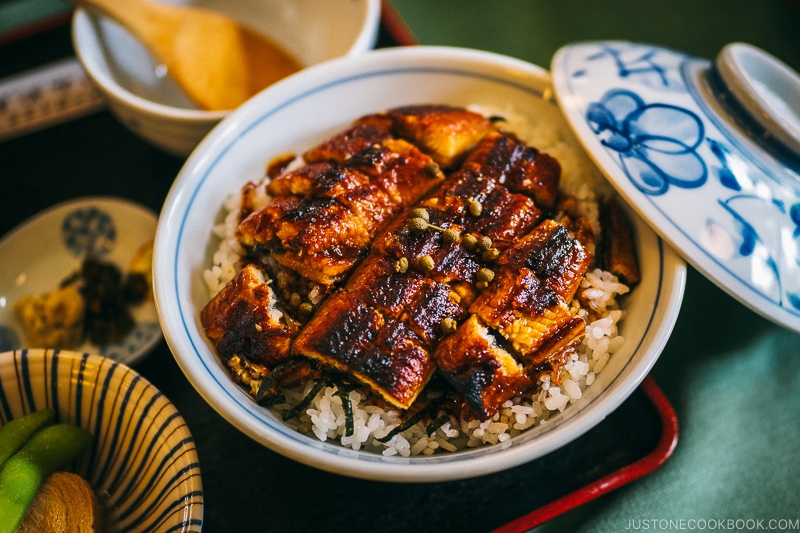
(421, 282)
(78, 276)
(136, 465)
(154, 107)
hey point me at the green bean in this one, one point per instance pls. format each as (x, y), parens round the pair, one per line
(48, 450)
(17, 432)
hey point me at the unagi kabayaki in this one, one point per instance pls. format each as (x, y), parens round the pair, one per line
(423, 273)
(420, 240)
(320, 219)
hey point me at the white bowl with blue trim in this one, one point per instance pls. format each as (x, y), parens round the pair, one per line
(142, 463)
(309, 107)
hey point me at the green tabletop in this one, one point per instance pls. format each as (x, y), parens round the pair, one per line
(732, 376)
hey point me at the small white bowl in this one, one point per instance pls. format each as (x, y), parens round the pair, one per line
(307, 108)
(142, 463)
(156, 110)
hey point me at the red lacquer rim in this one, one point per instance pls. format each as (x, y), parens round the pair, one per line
(645, 465)
(395, 26)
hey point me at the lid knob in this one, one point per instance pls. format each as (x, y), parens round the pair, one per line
(767, 89)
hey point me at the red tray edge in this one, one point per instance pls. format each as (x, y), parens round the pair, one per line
(396, 26)
(647, 464)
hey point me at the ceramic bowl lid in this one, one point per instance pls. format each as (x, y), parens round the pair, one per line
(707, 153)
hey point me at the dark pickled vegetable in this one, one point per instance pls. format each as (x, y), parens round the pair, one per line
(136, 288)
(107, 316)
(108, 294)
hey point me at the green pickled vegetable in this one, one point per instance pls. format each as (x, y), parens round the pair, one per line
(48, 450)
(16, 433)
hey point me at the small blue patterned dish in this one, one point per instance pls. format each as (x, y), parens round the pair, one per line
(142, 463)
(45, 250)
(708, 153)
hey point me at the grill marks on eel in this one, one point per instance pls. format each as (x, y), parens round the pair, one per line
(341, 222)
(519, 321)
(319, 224)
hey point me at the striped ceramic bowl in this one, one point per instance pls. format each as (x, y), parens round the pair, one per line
(143, 462)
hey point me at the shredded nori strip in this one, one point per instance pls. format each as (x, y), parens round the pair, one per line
(272, 400)
(343, 392)
(343, 389)
(306, 401)
(436, 424)
(268, 383)
(349, 424)
(413, 419)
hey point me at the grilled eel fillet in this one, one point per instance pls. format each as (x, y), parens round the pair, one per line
(527, 306)
(320, 221)
(324, 216)
(383, 327)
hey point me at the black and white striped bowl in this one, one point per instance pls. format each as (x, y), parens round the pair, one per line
(142, 464)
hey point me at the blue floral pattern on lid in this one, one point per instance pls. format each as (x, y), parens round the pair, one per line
(652, 160)
(649, 118)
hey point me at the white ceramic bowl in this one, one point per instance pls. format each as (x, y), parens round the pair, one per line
(142, 463)
(155, 109)
(304, 109)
